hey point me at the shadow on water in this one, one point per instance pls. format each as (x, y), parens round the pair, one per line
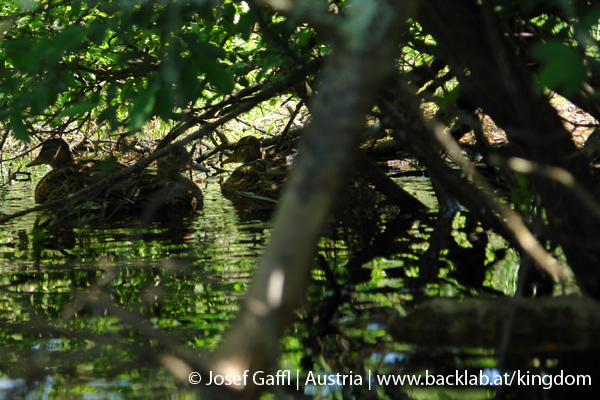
(58, 285)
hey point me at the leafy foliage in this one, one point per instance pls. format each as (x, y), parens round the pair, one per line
(122, 64)
(70, 66)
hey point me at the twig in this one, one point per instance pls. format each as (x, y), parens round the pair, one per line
(288, 125)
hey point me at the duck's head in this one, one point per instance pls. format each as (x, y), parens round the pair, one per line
(246, 149)
(177, 160)
(55, 152)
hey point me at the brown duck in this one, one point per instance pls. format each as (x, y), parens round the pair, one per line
(68, 175)
(257, 184)
(167, 191)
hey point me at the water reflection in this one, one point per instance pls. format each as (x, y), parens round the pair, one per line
(59, 281)
(186, 279)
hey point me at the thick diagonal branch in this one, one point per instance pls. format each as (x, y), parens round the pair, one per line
(363, 57)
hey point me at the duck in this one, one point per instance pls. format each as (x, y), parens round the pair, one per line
(67, 175)
(257, 183)
(167, 192)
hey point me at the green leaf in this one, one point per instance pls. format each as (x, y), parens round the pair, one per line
(143, 104)
(201, 48)
(449, 98)
(189, 85)
(96, 32)
(75, 8)
(78, 109)
(110, 115)
(218, 75)
(19, 54)
(562, 68)
(64, 81)
(304, 36)
(69, 40)
(244, 81)
(165, 103)
(245, 25)
(591, 18)
(109, 164)
(16, 123)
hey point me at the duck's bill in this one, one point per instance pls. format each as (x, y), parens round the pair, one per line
(230, 159)
(197, 166)
(36, 161)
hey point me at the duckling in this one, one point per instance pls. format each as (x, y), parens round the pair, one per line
(257, 184)
(68, 175)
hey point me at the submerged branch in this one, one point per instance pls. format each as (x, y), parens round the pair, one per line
(560, 322)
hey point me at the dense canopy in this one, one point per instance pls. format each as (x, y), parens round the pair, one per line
(417, 74)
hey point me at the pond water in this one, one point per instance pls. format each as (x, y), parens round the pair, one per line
(73, 297)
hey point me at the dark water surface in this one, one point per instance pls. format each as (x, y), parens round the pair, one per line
(60, 340)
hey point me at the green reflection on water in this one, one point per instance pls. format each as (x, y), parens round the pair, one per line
(188, 280)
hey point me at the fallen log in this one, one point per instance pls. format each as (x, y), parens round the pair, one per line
(533, 324)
